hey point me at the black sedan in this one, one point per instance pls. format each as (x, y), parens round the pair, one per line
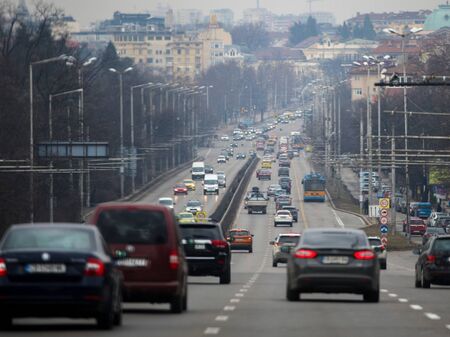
(58, 270)
(433, 264)
(333, 261)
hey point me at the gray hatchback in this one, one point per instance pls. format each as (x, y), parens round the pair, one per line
(333, 260)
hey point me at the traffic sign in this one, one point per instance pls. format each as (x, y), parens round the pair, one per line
(384, 203)
(384, 220)
(384, 240)
(384, 229)
(384, 212)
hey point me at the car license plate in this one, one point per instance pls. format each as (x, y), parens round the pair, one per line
(45, 268)
(199, 246)
(335, 260)
(286, 249)
(132, 262)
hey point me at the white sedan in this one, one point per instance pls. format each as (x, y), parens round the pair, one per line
(221, 160)
(283, 217)
(225, 138)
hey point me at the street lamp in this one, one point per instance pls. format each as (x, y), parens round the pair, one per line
(122, 169)
(62, 57)
(404, 35)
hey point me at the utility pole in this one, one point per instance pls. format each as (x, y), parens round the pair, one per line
(393, 210)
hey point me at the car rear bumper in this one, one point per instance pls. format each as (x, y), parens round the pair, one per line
(156, 292)
(239, 246)
(336, 283)
(206, 266)
(438, 275)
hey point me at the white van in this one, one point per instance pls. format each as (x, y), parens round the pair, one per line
(198, 170)
(211, 184)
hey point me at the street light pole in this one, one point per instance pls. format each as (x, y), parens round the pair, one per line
(122, 160)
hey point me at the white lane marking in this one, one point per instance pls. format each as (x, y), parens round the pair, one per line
(338, 219)
(432, 316)
(403, 300)
(211, 331)
(222, 318)
(229, 308)
(392, 295)
(384, 290)
(243, 290)
(235, 300)
(239, 295)
(207, 153)
(448, 326)
(246, 286)
(416, 307)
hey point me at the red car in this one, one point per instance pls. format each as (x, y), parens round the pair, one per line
(180, 189)
(264, 174)
(146, 241)
(415, 226)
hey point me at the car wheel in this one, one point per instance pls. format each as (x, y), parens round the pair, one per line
(425, 283)
(105, 319)
(383, 264)
(274, 263)
(5, 321)
(249, 211)
(118, 312)
(372, 296)
(417, 281)
(250, 250)
(176, 304)
(185, 299)
(225, 278)
(292, 295)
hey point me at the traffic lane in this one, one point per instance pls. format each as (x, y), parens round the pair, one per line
(399, 279)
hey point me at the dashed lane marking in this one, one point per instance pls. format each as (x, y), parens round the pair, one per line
(222, 318)
(448, 326)
(432, 316)
(229, 308)
(416, 307)
(212, 331)
(235, 300)
(338, 219)
(239, 295)
(384, 290)
(393, 295)
(403, 300)
(243, 290)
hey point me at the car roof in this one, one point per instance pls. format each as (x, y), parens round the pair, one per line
(289, 234)
(334, 229)
(239, 230)
(53, 225)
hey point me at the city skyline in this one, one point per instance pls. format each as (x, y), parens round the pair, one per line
(87, 12)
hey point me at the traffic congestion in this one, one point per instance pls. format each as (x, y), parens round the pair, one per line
(164, 255)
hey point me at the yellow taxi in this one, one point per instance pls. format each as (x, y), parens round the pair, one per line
(266, 164)
(308, 148)
(186, 217)
(190, 184)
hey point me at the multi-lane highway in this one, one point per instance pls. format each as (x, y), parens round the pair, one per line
(254, 304)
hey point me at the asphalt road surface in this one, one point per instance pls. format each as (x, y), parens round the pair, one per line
(254, 303)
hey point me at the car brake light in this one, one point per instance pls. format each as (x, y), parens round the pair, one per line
(382, 248)
(3, 270)
(364, 255)
(305, 254)
(174, 260)
(431, 259)
(94, 267)
(219, 243)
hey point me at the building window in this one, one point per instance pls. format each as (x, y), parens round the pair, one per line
(167, 51)
(357, 91)
(356, 77)
(159, 38)
(179, 51)
(167, 38)
(150, 60)
(150, 38)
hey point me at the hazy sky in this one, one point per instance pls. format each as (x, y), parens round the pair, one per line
(86, 11)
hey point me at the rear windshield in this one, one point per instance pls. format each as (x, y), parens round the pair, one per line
(210, 182)
(442, 245)
(239, 233)
(416, 222)
(289, 239)
(200, 232)
(133, 226)
(375, 242)
(438, 230)
(334, 239)
(67, 239)
(166, 201)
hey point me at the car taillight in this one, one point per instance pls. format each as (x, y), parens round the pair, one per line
(219, 243)
(305, 254)
(382, 248)
(364, 255)
(94, 267)
(3, 270)
(174, 260)
(431, 259)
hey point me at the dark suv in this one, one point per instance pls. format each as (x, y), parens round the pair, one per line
(285, 183)
(433, 264)
(207, 251)
(146, 240)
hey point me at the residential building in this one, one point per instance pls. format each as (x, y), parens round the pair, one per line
(65, 27)
(258, 15)
(186, 58)
(188, 17)
(397, 21)
(327, 48)
(225, 16)
(282, 23)
(322, 18)
(362, 81)
(232, 53)
(214, 40)
(438, 19)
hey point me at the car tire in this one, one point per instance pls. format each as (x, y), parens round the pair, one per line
(5, 321)
(185, 299)
(249, 211)
(250, 250)
(105, 318)
(417, 281)
(372, 296)
(425, 283)
(383, 264)
(274, 264)
(292, 295)
(118, 312)
(264, 211)
(225, 278)
(176, 304)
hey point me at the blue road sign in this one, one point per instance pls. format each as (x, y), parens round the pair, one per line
(384, 229)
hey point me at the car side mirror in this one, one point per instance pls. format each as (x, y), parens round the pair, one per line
(252, 235)
(417, 251)
(271, 243)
